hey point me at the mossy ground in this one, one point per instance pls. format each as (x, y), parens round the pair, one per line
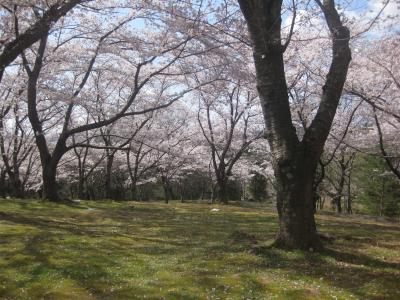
(130, 250)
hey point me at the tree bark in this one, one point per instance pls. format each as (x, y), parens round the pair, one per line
(17, 188)
(49, 170)
(134, 191)
(297, 228)
(167, 189)
(222, 191)
(108, 184)
(180, 186)
(319, 178)
(81, 188)
(49, 191)
(166, 192)
(340, 189)
(3, 183)
(382, 198)
(133, 172)
(349, 208)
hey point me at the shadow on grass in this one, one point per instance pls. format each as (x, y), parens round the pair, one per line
(39, 268)
(125, 251)
(341, 268)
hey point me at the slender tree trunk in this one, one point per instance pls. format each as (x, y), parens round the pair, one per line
(381, 206)
(212, 196)
(180, 185)
(319, 178)
(81, 174)
(167, 189)
(202, 191)
(349, 208)
(321, 203)
(3, 183)
(338, 203)
(133, 173)
(338, 197)
(243, 191)
(167, 196)
(108, 184)
(341, 185)
(81, 188)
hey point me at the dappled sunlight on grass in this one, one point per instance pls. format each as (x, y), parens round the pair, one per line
(130, 250)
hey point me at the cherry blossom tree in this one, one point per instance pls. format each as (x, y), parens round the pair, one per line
(87, 161)
(225, 116)
(295, 161)
(16, 139)
(374, 79)
(98, 85)
(149, 150)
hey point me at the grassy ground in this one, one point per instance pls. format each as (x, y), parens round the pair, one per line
(108, 250)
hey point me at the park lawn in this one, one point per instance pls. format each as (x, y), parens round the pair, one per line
(131, 250)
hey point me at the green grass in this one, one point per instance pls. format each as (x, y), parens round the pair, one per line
(183, 251)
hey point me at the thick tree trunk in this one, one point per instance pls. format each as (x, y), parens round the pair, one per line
(167, 189)
(295, 203)
(49, 189)
(49, 170)
(134, 191)
(49, 167)
(16, 185)
(297, 228)
(3, 183)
